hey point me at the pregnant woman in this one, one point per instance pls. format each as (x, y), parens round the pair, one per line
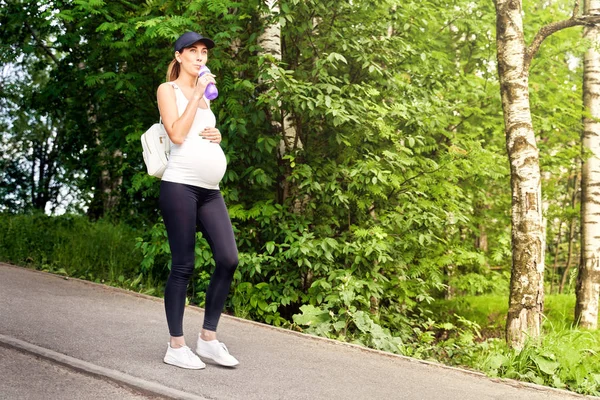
(190, 201)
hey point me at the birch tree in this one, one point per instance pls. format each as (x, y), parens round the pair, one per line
(588, 285)
(270, 41)
(514, 57)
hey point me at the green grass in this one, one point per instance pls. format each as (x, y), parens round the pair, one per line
(559, 310)
(489, 311)
(565, 357)
(73, 246)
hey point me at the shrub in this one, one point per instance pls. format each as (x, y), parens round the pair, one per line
(73, 246)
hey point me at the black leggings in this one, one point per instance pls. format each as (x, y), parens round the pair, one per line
(185, 210)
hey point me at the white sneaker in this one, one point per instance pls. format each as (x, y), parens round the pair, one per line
(216, 351)
(183, 357)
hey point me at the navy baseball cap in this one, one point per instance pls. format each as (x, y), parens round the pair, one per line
(189, 38)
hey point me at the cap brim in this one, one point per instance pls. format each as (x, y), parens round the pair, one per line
(208, 42)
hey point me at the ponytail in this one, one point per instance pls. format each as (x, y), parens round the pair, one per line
(173, 71)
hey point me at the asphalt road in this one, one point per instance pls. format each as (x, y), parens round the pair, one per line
(121, 336)
(24, 376)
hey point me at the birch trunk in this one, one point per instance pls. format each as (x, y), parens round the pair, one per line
(588, 285)
(270, 41)
(528, 242)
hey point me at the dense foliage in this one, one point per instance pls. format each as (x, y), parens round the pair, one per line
(398, 197)
(74, 246)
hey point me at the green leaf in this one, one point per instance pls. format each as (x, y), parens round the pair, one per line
(311, 316)
(270, 247)
(545, 365)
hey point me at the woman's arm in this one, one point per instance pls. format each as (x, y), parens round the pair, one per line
(178, 127)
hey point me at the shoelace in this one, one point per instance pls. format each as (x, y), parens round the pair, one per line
(224, 347)
(188, 352)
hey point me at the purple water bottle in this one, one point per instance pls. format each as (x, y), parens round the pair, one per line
(211, 91)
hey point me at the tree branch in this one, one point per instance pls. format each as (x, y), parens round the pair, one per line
(39, 42)
(544, 32)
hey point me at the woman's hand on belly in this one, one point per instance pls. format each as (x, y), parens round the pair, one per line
(211, 134)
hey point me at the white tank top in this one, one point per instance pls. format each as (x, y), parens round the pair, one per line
(196, 161)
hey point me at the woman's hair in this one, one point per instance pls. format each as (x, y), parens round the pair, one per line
(173, 71)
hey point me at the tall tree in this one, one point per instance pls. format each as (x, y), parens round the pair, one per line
(526, 299)
(588, 280)
(281, 119)
(95, 86)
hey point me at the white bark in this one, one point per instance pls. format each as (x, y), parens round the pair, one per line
(270, 41)
(588, 285)
(390, 31)
(528, 241)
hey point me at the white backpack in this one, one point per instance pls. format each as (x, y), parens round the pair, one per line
(156, 147)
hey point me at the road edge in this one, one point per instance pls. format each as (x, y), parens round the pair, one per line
(511, 382)
(138, 384)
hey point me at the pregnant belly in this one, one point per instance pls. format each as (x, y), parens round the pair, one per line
(200, 163)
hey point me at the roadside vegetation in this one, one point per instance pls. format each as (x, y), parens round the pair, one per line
(465, 331)
(382, 188)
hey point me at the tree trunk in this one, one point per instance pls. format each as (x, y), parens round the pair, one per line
(556, 253)
(481, 241)
(565, 275)
(110, 186)
(528, 242)
(270, 41)
(588, 285)
(571, 234)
